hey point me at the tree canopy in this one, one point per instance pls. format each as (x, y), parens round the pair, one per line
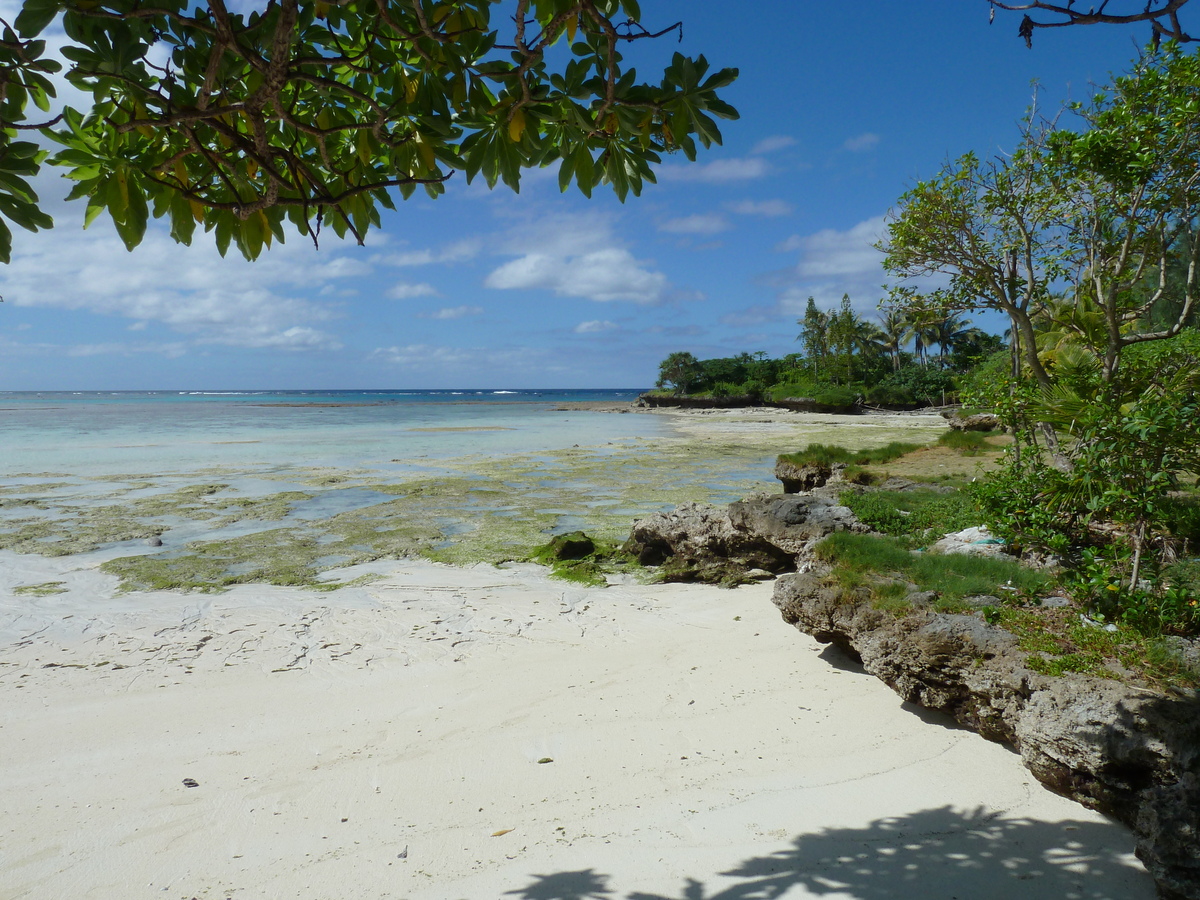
(1088, 238)
(313, 113)
(1101, 215)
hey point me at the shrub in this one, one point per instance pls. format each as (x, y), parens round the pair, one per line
(928, 385)
(754, 388)
(891, 395)
(828, 455)
(797, 385)
(837, 395)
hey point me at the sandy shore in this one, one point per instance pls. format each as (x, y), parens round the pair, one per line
(485, 733)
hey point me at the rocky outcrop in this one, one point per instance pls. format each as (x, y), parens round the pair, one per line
(810, 405)
(796, 404)
(684, 402)
(1131, 753)
(975, 422)
(801, 477)
(751, 538)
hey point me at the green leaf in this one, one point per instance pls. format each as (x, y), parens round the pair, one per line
(35, 15)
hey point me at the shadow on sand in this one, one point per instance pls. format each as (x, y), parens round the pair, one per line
(937, 854)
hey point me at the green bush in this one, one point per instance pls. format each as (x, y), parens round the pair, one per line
(796, 386)
(837, 395)
(1181, 516)
(754, 388)
(828, 454)
(891, 395)
(928, 385)
(986, 384)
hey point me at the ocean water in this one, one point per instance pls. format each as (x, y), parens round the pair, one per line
(157, 432)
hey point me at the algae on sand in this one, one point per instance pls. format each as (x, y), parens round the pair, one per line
(466, 510)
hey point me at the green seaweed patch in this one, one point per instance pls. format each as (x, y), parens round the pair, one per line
(44, 487)
(26, 502)
(187, 572)
(575, 556)
(191, 501)
(281, 556)
(493, 539)
(270, 508)
(78, 532)
(45, 589)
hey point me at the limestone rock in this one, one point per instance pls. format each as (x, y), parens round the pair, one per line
(699, 542)
(976, 422)
(801, 478)
(791, 522)
(1129, 752)
(970, 542)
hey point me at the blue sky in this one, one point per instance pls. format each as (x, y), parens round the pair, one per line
(843, 107)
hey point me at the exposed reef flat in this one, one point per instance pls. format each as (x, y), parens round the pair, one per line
(290, 525)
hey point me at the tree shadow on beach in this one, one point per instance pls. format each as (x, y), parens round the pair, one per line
(943, 853)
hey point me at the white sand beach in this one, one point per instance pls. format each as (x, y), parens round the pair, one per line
(484, 733)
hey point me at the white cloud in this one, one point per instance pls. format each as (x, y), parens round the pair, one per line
(842, 253)
(703, 223)
(459, 251)
(190, 290)
(765, 208)
(772, 144)
(602, 275)
(576, 256)
(409, 291)
(595, 326)
(453, 312)
(833, 263)
(719, 171)
(861, 142)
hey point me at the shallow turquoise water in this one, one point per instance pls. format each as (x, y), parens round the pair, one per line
(104, 433)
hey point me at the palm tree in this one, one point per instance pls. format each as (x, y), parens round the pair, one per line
(893, 331)
(922, 328)
(950, 331)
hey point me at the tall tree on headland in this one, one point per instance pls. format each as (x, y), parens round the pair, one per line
(814, 336)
